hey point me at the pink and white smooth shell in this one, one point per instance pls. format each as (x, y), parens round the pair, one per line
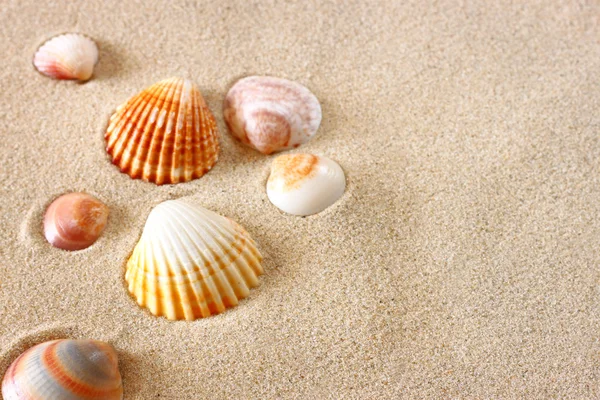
(74, 221)
(68, 56)
(271, 114)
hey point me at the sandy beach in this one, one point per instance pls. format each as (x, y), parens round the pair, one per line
(462, 261)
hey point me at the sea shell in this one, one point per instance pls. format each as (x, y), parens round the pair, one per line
(164, 134)
(305, 184)
(74, 221)
(191, 263)
(271, 114)
(68, 56)
(64, 369)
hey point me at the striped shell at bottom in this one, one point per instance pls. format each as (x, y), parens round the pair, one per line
(64, 369)
(191, 262)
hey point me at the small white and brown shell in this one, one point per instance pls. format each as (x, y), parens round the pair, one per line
(67, 56)
(271, 114)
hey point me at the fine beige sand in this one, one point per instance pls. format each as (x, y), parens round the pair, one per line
(462, 262)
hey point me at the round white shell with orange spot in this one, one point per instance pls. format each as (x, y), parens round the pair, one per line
(68, 56)
(305, 184)
(271, 114)
(191, 262)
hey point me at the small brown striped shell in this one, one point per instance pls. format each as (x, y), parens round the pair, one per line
(165, 134)
(64, 369)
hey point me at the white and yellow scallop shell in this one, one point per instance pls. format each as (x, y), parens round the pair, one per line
(191, 262)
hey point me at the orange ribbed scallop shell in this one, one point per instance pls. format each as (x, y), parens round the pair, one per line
(164, 134)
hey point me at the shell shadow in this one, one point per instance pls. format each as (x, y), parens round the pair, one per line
(236, 78)
(231, 147)
(31, 232)
(329, 123)
(214, 99)
(112, 62)
(135, 370)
